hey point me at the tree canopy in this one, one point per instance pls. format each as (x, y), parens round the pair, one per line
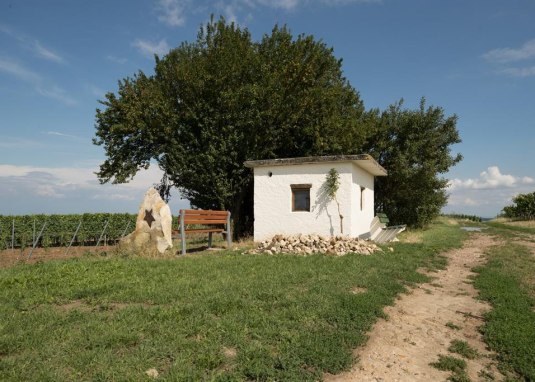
(223, 99)
(414, 147)
(523, 207)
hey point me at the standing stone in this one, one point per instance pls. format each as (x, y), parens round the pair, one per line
(153, 223)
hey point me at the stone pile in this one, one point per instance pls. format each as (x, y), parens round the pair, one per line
(309, 244)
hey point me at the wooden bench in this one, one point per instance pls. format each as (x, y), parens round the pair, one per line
(205, 218)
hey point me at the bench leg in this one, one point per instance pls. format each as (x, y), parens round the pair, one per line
(229, 238)
(209, 239)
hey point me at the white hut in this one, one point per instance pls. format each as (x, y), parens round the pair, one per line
(290, 198)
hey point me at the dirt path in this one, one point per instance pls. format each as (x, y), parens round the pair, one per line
(401, 348)
(9, 258)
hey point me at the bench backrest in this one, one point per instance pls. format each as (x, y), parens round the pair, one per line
(204, 216)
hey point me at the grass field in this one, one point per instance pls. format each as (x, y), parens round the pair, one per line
(216, 316)
(511, 229)
(507, 281)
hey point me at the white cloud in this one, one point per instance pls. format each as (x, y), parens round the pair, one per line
(483, 202)
(57, 93)
(5, 29)
(293, 4)
(149, 48)
(503, 55)
(487, 194)
(492, 178)
(520, 72)
(114, 197)
(47, 190)
(30, 189)
(237, 11)
(80, 176)
(172, 12)
(96, 91)
(7, 142)
(47, 54)
(62, 181)
(57, 133)
(56, 176)
(465, 201)
(345, 2)
(175, 12)
(278, 4)
(469, 202)
(230, 11)
(16, 69)
(117, 60)
(32, 44)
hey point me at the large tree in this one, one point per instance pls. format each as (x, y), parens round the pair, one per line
(415, 147)
(221, 100)
(523, 207)
(224, 99)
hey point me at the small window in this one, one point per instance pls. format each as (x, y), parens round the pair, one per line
(362, 198)
(301, 197)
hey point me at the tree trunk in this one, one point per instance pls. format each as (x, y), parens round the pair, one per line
(341, 217)
(242, 212)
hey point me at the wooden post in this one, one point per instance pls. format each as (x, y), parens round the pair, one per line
(182, 231)
(209, 239)
(229, 237)
(13, 236)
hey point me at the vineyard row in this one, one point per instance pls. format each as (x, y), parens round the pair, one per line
(22, 231)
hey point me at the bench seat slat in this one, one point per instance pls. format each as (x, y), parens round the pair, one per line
(217, 217)
(205, 212)
(203, 221)
(200, 230)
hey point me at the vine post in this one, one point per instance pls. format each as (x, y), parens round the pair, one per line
(13, 236)
(332, 184)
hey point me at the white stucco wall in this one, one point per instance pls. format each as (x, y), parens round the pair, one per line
(361, 217)
(273, 200)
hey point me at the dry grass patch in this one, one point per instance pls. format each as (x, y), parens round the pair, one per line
(411, 237)
(75, 305)
(84, 306)
(529, 223)
(358, 290)
(230, 352)
(243, 244)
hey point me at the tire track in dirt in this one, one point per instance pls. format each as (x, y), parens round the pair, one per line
(401, 348)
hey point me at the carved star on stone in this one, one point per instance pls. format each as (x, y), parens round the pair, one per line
(148, 217)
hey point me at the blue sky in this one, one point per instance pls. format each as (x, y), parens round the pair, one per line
(475, 59)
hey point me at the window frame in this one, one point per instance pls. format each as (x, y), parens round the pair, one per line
(300, 187)
(362, 189)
